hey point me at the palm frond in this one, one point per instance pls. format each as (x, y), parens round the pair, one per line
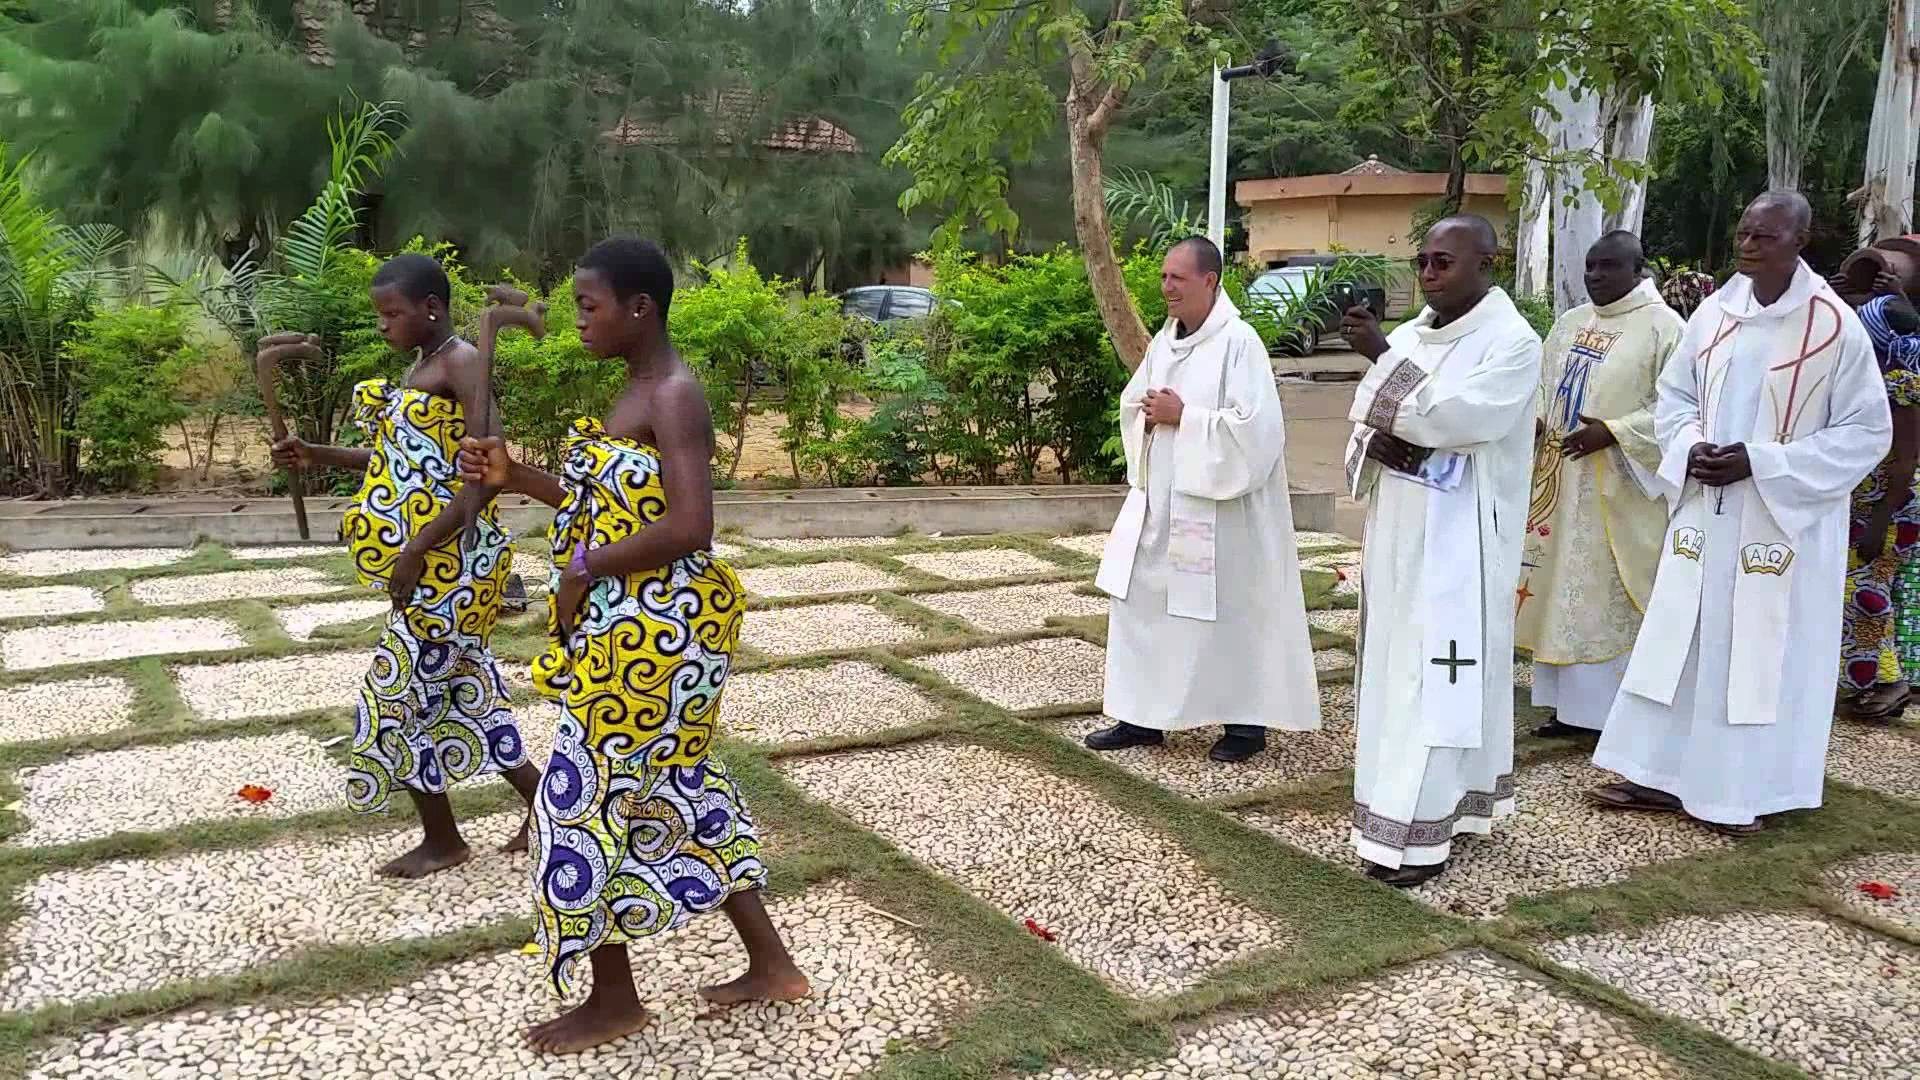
(1136, 198)
(362, 143)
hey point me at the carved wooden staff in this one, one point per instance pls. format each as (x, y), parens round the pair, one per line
(266, 363)
(509, 308)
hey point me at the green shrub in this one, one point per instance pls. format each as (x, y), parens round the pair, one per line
(127, 362)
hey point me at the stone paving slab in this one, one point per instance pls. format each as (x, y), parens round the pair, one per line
(874, 989)
(798, 704)
(1834, 1000)
(1898, 870)
(1874, 757)
(235, 585)
(826, 543)
(978, 564)
(1555, 840)
(50, 600)
(87, 643)
(301, 620)
(1337, 620)
(121, 927)
(1124, 900)
(1182, 765)
(1015, 607)
(58, 710)
(1092, 545)
(59, 561)
(276, 552)
(1317, 542)
(1026, 675)
(823, 628)
(158, 788)
(814, 579)
(281, 686)
(1459, 1016)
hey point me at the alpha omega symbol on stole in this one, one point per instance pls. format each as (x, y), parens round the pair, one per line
(1766, 559)
(1452, 662)
(1687, 542)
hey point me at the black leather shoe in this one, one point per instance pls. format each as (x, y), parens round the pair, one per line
(1406, 877)
(1238, 746)
(1122, 736)
(1554, 729)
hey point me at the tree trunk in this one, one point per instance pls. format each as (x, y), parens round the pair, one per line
(1785, 101)
(1886, 200)
(1629, 131)
(1086, 134)
(1532, 230)
(1576, 212)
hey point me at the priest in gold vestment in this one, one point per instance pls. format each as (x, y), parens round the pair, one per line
(1594, 525)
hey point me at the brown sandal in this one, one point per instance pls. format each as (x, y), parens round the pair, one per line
(1736, 831)
(1626, 795)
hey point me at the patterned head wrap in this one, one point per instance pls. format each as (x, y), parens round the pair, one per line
(1895, 350)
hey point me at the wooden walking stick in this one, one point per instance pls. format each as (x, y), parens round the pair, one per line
(509, 308)
(266, 363)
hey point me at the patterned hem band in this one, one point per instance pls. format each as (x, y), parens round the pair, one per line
(1401, 835)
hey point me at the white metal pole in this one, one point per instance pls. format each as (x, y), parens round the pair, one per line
(1217, 166)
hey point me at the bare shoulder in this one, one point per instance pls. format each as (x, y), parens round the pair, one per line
(680, 394)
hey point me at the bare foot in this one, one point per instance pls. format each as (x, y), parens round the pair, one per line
(519, 841)
(788, 985)
(591, 1023)
(425, 860)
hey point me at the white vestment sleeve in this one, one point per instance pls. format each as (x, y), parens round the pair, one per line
(1804, 480)
(1133, 416)
(1224, 453)
(1487, 404)
(1636, 433)
(1676, 412)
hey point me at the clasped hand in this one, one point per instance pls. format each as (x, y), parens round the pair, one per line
(1163, 407)
(1718, 466)
(1397, 454)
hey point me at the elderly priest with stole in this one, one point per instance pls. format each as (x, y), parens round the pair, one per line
(1770, 412)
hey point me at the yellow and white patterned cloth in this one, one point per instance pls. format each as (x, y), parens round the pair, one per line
(639, 828)
(434, 709)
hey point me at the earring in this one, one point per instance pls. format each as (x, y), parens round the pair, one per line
(433, 318)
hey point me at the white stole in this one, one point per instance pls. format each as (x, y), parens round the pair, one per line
(1453, 612)
(1183, 364)
(1793, 402)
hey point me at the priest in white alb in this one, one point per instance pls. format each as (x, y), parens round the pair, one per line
(1770, 412)
(1208, 624)
(1441, 450)
(1595, 518)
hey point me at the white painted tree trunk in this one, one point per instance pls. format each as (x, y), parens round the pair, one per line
(1577, 219)
(1533, 229)
(1886, 208)
(1629, 134)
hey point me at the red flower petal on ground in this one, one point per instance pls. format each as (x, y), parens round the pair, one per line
(254, 793)
(1039, 931)
(1879, 890)
(1338, 575)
